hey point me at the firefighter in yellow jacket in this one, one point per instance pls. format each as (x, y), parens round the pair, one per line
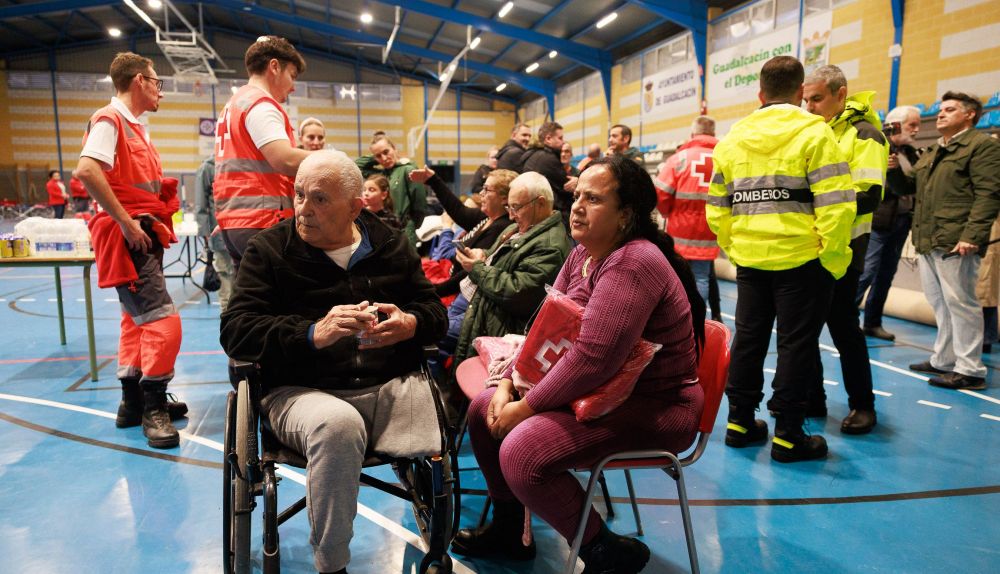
(859, 134)
(781, 203)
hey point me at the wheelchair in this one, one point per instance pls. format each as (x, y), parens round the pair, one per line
(251, 453)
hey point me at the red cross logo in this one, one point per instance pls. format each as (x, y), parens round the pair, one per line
(701, 168)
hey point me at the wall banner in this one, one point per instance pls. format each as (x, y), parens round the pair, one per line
(733, 73)
(670, 93)
(814, 51)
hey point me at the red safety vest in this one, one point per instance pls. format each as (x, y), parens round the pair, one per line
(682, 187)
(249, 193)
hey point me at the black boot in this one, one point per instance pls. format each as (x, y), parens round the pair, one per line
(609, 553)
(501, 538)
(131, 407)
(156, 423)
(743, 429)
(792, 444)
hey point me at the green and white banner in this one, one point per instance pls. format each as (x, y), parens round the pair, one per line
(733, 75)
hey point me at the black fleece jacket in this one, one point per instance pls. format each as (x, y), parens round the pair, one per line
(285, 285)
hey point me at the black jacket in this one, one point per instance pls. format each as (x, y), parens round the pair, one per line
(899, 192)
(467, 218)
(479, 178)
(509, 156)
(285, 285)
(547, 162)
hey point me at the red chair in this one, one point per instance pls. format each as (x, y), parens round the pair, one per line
(712, 373)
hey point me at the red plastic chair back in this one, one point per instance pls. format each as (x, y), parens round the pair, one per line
(713, 370)
(471, 376)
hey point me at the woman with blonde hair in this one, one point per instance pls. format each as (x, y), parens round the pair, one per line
(312, 134)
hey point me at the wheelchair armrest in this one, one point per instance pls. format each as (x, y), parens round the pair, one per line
(240, 370)
(430, 352)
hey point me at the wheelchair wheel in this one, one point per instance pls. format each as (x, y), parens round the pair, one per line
(238, 496)
(434, 515)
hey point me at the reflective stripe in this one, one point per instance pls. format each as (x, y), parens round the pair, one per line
(770, 207)
(783, 442)
(736, 428)
(695, 242)
(253, 202)
(692, 195)
(861, 228)
(244, 165)
(155, 315)
(150, 186)
(128, 372)
(868, 173)
(769, 182)
(662, 186)
(834, 197)
(828, 171)
(717, 178)
(720, 200)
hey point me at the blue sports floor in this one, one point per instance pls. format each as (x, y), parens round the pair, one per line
(919, 494)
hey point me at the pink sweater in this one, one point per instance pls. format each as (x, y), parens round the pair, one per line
(631, 293)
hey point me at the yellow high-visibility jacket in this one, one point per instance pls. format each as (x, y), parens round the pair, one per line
(859, 134)
(781, 194)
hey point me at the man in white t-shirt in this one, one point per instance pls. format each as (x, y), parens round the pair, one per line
(121, 169)
(255, 153)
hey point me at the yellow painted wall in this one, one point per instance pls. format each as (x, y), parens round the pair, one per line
(6, 143)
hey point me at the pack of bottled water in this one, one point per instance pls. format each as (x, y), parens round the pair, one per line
(55, 238)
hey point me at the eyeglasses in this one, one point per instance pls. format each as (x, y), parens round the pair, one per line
(158, 81)
(514, 209)
(486, 189)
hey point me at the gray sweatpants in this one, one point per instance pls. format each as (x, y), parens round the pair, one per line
(334, 430)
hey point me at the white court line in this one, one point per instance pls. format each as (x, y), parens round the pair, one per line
(111, 300)
(882, 393)
(52, 299)
(81, 300)
(2, 299)
(895, 369)
(935, 405)
(380, 520)
(991, 417)
(27, 299)
(831, 383)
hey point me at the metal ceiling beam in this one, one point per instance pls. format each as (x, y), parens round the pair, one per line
(39, 8)
(693, 15)
(585, 55)
(537, 85)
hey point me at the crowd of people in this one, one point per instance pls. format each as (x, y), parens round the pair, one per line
(326, 280)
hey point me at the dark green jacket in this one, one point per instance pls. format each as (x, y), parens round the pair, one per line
(958, 192)
(511, 289)
(409, 199)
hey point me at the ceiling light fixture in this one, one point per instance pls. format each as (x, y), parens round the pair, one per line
(114, 32)
(531, 68)
(553, 54)
(366, 18)
(475, 42)
(502, 87)
(155, 4)
(607, 20)
(506, 9)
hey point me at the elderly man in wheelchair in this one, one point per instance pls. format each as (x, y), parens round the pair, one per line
(333, 309)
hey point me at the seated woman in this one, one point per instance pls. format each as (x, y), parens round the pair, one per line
(632, 284)
(378, 201)
(312, 134)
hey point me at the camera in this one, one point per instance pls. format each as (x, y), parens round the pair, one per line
(892, 129)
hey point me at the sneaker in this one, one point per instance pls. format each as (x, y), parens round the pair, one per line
(927, 367)
(958, 381)
(878, 333)
(159, 431)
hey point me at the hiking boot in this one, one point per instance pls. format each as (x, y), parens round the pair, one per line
(156, 425)
(743, 429)
(130, 413)
(958, 381)
(501, 537)
(610, 553)
(879, 333)
(927, 367)
(859, 421)
(792, 444)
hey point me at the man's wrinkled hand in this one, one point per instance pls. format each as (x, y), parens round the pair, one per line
(467, 258)
(342, 321)
(135, 237)
(399, 326)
